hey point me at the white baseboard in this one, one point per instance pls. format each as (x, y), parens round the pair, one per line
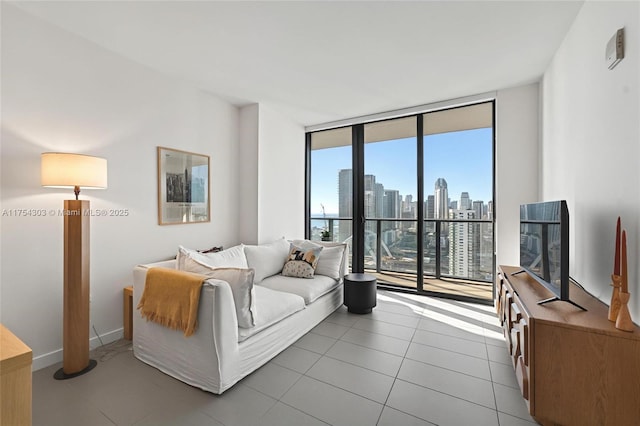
(51, 358)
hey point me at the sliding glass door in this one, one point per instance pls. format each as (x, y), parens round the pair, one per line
(458, 182)
(413, 196)
(330, 185)
(390, 200)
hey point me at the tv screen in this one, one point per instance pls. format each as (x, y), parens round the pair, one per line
(544, 246)
(541, 242)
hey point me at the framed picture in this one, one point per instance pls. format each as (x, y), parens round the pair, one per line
(183, 187)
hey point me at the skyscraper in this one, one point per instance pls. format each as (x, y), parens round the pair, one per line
(345, 203)
(441, 204)
(441, 199)
(464, 243)
(429, 212)
(391, 208)
(370, 202)
(430, 207)
(465, 201)
(478, 208)
(379, 197)
(409, 207)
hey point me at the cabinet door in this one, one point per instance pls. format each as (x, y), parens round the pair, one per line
(508, 322)
(522, 376)
(499, 294)
(524, 340)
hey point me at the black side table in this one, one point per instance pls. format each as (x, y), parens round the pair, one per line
(360, 293)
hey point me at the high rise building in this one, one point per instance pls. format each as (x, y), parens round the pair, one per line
(465, 201)
(464, 244)
(430, 207)
(370, 202)
(409, 211)
(409, 207)
(345, 203)
(478, 207)
(441, 204)
(391, 208)
(441, 199)
(379, 200)
(408, 199)
(429, 212)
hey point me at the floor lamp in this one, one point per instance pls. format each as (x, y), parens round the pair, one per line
(61, 170)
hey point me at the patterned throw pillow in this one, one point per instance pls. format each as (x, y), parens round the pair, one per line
(301, 263)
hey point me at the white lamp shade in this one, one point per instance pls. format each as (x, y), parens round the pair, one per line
(61, 170)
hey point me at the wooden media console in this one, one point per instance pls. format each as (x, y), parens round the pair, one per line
(573, 367)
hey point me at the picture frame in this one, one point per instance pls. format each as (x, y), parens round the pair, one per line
(183, 187)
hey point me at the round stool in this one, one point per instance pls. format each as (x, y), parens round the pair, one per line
(360, 293)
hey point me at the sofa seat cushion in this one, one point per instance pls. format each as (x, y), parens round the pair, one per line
(308, 289)
(271, 307)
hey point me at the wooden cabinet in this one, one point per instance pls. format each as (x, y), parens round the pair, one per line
(573, 367)
(15, 380)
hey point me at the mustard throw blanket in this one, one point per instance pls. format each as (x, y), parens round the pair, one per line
(171, 298)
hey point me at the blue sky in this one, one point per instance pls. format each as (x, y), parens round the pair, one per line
(463, 158)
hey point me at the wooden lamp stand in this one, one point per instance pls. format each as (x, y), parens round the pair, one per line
(66, 170)
(76, 291)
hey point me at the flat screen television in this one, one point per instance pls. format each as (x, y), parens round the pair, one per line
(544, 246)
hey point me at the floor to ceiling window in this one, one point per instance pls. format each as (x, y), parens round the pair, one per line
(458, 190)
(390, 198)
(398, 188)
(330, 185)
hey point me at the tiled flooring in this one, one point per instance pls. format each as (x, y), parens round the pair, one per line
(412, 361)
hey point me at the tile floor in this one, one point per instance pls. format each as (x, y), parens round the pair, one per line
(412, 361)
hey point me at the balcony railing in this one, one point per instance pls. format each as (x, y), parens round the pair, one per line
(457, 249)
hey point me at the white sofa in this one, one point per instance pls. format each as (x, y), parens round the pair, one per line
(220, 353)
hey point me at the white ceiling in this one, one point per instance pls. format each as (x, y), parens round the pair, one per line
(324, 61)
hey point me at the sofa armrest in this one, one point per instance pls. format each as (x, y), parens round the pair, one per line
(345, 263)
(210, 354)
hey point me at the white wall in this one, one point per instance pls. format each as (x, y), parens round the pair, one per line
(62, 93)
(591, 143)
(248, 167)
(272, 163)
(517, 164)
(281, 177)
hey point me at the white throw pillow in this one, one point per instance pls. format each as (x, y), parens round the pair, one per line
(267, 259)
(241, 283)
(331, 262)
(230, 258)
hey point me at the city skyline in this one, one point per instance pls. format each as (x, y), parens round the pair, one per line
(457, 203)
(465, 247)
(464, 159)
(381, 202)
